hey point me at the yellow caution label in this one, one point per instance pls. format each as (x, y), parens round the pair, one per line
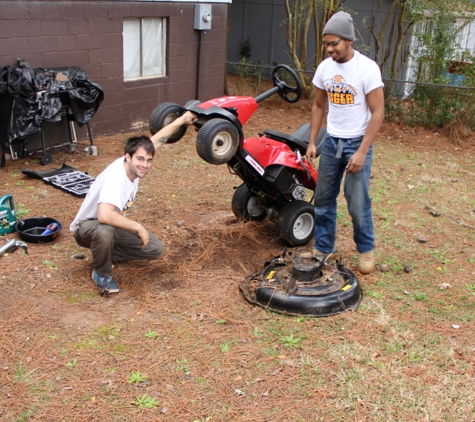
(347, 287)
(270, 275)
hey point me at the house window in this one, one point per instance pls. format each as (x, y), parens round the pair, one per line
(144, 48)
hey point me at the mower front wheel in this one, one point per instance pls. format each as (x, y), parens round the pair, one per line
(217, 141)
(246, 206)
(163, 115)
(295, 222)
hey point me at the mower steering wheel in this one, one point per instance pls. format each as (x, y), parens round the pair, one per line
(288, 82)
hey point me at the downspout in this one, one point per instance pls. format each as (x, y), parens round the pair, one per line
(225, 88)
(198, 67)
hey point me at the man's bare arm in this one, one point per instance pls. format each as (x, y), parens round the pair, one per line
(375, 100)
(107, 214)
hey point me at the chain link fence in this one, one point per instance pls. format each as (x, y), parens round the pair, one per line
(250, 79)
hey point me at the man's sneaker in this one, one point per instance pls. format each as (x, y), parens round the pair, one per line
(105, 284)
(366, 264)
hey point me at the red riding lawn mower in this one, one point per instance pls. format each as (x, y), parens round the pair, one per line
(276, 182)
(276, 177)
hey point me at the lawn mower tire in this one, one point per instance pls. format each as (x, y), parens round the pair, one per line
(163, 115)
(246, 206)
(217, 141)
(289, 83)
(295, 222)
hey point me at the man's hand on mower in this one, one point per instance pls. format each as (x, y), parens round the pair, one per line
(311, 153)
(188, 118)
(163, 135)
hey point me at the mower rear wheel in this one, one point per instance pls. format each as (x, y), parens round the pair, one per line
(246, 206)
(163, 115)
(217, 141)
(295, 222)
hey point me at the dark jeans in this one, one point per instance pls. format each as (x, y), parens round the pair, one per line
(356, 188)
(109, 245)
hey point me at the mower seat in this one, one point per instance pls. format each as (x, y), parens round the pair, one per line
(298, 139)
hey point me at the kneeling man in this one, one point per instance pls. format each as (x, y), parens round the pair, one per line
(101, 223)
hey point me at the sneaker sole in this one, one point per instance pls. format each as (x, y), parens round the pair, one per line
(110, 290)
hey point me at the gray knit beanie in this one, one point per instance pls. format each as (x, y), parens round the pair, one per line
(341, 24)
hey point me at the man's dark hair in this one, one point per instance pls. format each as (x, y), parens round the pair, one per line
(135, 142)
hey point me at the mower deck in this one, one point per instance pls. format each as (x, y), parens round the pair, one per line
(303, 283)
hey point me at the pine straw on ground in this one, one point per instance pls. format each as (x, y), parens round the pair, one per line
(179, 342)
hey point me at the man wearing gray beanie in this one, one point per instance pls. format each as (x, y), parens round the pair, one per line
(351, 85)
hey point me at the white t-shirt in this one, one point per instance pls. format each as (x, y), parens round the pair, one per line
(346, 85)
(112, 186)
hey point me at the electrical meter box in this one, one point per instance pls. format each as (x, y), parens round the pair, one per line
(203, 16)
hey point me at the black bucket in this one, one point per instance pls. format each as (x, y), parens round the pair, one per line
(32, 229)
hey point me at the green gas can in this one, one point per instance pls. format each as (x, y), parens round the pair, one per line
(7, 215)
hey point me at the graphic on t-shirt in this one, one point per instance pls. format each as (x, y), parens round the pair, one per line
(128, 204)
(339, 92)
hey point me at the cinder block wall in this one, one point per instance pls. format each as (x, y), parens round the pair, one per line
(88, 34)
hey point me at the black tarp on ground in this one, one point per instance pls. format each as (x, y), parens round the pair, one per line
(30, 96)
